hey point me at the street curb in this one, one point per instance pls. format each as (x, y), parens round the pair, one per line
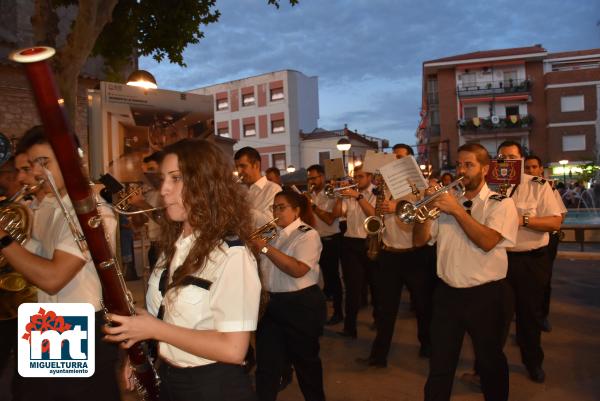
(578, 255)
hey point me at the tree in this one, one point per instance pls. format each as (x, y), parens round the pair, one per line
(118, 29)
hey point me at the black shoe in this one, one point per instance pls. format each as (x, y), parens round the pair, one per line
(371, 362)
(348, 334)
(425, 351)
(537, 374)
(546, 326)
(335, 319)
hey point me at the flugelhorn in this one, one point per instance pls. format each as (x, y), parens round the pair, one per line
(267, 231)
(420, 211)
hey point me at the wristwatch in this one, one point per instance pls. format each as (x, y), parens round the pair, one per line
(525, 220)
(359, 197)
(264, 250)
(6, 241)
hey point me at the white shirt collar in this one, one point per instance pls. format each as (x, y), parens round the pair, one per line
(291, 227)
(261, 182)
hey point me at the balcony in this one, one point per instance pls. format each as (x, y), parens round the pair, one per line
(495, 124)
(494, 87)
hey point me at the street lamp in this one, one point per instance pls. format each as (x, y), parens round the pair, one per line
(564, 163)
(143, 79)
(343, 146)
(290, 168)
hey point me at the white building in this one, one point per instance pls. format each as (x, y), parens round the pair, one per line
(267, 112)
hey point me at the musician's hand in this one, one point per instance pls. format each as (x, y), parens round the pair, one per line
(447, 204)
(130, 329)
(257, 244)
(350, 192)
(126, 376)
(389, 206)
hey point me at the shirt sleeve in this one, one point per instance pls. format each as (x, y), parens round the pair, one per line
(559, 201)
(261, 210)
(435, 229)
(307, 249)
(547, 205)
(235, 295)
(504, 219)
(65, 240)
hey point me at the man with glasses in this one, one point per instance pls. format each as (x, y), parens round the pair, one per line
(327, 212)
(261, 191)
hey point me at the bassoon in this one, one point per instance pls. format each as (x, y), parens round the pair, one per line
(60, 135)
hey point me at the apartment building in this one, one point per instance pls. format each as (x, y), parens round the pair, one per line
(548, 102)
(267, 112)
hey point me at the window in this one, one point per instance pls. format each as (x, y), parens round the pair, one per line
(572, 103)
(470, 113)
(222, 104)
(468, 80)
(249, 129)
(573, 142)
(276, 94)
(510, 79)
(248, 99)
(323, 156)
(223, 132)
(277, 126)
(512, 111)
(278, 160)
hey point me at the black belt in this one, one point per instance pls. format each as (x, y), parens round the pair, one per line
(537, 251)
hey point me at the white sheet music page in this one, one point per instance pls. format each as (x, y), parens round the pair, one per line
(400, 174)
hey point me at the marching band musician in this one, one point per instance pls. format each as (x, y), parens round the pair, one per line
(62, 273)
(359, 203)
(472, 235)
(260, 190)
(534, 167)
(203, 296)
(399, 264)
(293, 322)
(528, 266)
(327, 212)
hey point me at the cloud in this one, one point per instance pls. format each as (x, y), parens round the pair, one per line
(368, 54)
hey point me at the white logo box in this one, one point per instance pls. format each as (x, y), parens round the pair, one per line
(56, 340)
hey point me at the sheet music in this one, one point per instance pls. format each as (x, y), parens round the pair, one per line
(334, 169)
(400, 174)
(374, 160)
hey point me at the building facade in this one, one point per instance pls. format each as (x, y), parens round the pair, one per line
(267, 112)
(548, 102)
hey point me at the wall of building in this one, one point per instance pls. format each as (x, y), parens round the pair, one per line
(448, 106)
(538, 143)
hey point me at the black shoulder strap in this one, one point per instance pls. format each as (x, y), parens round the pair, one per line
(233, 241)
(197, 281)
(513, 191)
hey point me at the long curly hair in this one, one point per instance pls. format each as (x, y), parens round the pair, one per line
(216, 205)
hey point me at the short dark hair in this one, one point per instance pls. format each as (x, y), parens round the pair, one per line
(481, 153)
(534, 157)
(33, 136)
(273, 170)
(250, 153)
(404, 146)
(154, 157)
(445, 174)
(506, 144)
(318, 168)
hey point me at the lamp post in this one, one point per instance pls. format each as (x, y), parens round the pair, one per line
(343, 146)
(564, 163)
(143, 79)
(290, 168)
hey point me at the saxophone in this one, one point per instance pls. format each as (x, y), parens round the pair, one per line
(374, 225)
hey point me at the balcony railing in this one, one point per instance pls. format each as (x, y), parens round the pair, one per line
(494, 87)
(495, 124)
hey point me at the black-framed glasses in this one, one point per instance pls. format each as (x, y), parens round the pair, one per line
(279, 207)
(468, 205)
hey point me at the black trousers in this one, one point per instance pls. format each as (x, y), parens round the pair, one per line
(329, 263)
(8, 341)
(528, 275)
(394, 271)
(101, 386)
(355, 269)
(289, 332)
(214, 382)
(477, 311)
(552, 250)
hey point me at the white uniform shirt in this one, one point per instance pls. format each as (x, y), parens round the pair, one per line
(461, 263)
(325, 203)
(396, 233)
(262, 193)
(355, 215)
(301, 242)
(230, 305)
(51, 230)
(535, 199)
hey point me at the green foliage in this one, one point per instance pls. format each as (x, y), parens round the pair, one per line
(155, 28)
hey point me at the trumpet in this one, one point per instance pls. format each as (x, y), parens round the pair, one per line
(420, 211)
(267, 231)
(334, 192)
(238, 178)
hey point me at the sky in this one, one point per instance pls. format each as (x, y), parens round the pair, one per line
(368, 54)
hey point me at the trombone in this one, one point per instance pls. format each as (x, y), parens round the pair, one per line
(267, 231)
(420, 211)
